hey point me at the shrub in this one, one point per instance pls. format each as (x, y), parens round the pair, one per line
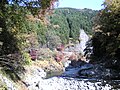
(26, 58)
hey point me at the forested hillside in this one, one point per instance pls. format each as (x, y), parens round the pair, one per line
(67, 22)
(62, 24)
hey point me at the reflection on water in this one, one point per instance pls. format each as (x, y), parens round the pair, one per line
(114, 83)
(52, 74)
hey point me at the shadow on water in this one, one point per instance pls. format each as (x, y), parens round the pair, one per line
(114, 83)
(53, 74)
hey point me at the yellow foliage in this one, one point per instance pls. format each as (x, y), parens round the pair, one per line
(27, 58)
(113, 5)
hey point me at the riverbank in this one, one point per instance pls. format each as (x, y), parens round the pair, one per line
(35, 80)
(47, 74)
(60, 83)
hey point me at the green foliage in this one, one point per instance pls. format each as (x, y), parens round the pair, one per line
(10, 74)
(11, 24)
(106, 40)
(13, 20)
(45, 54)
(26, 58)
(17, 23)
(41, 33)
(14, 25)
(52, 39)
(67, 22)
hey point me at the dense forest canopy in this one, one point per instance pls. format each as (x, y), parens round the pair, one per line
(67, 22)
(106, 40)
(13, 20)
(17, 29)
(63, 24)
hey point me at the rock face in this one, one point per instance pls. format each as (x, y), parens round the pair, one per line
(80, 46)
(83, 39)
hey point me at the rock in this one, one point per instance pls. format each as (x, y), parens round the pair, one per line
(78, 63)
(67, 63)
(97, 71)
(10, 85)
(59, 83)
(34, 80)
(33, 75)
(91, 71)
(84, 38)
(86, 66)
(86, 73)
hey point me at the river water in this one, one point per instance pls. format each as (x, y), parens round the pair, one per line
(70, 80)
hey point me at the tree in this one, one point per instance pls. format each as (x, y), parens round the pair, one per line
(13, 19)
(14, 27)
(106, 40)
(52, 40)
(67, 22)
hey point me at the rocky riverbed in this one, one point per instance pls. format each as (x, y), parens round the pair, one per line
(73, 78)
(8, 83)
(60, 83)
(36, 81)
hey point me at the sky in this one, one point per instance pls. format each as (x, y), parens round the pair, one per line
(80, 4)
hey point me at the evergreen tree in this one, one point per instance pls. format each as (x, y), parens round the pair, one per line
(69, 21)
